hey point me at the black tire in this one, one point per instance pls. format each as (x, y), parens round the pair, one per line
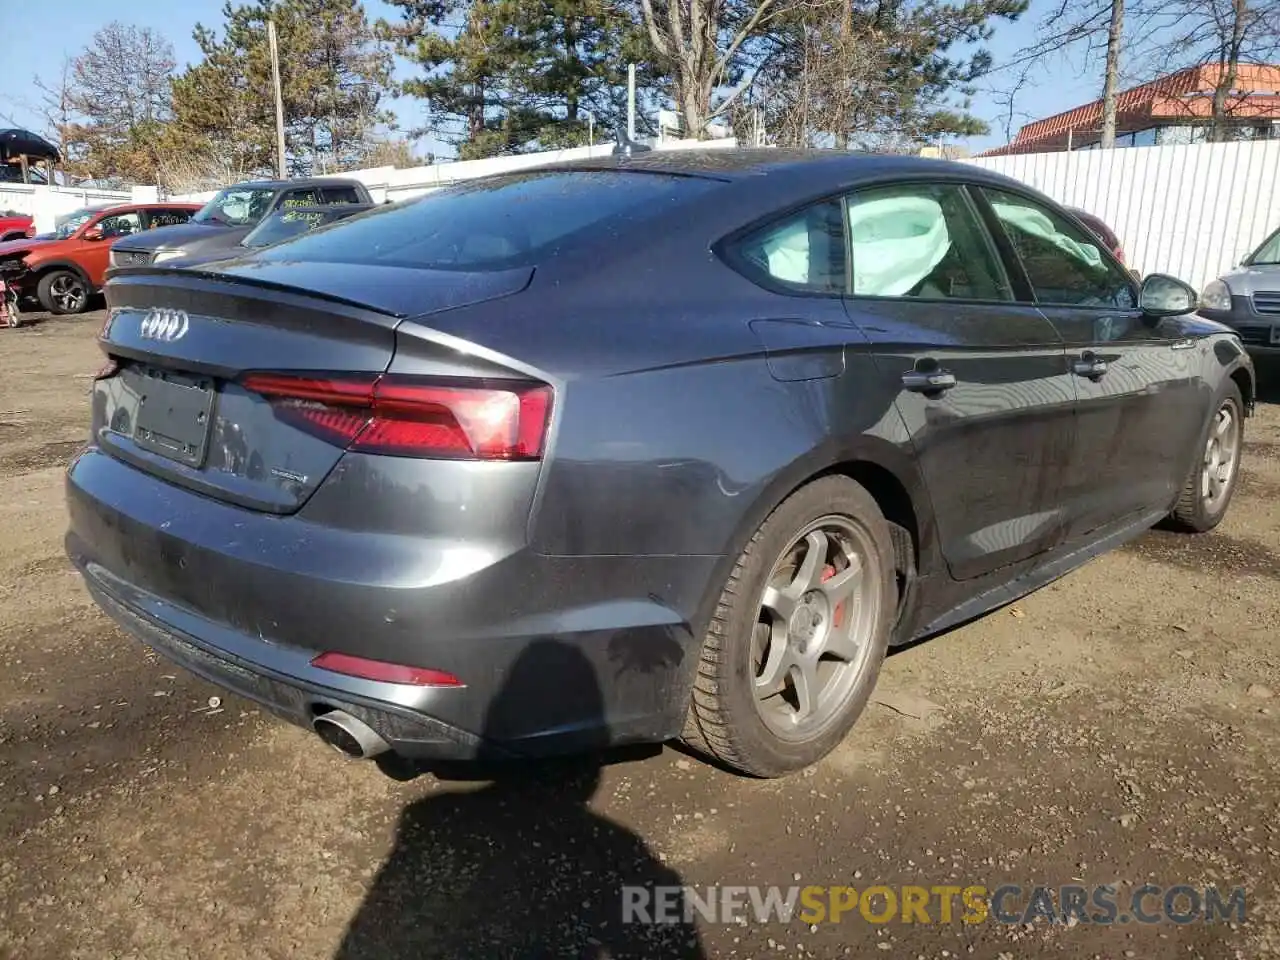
(723, 722)
(1193, 512)
(49, 292)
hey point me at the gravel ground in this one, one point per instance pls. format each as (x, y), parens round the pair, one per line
(1119, 726)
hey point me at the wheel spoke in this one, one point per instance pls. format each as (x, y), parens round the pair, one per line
(804, 678)
(779, 603)
(809, 575)
(778, 660)
(843, 583)
(840, 644)
(1224, 424)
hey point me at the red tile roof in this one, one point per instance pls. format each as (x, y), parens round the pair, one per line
(1184, 95)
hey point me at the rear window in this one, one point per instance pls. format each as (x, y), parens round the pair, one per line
(494, 223)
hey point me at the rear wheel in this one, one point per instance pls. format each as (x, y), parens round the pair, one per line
(1213, 476)
(63, 292)
(799, 633)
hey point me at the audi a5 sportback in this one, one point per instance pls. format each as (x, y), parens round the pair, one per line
(722, 426)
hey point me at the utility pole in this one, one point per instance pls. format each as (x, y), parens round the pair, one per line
(631, 102)
(275, 82)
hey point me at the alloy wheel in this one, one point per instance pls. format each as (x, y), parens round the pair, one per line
(1221, 456)
(68, 293)
(817, 616)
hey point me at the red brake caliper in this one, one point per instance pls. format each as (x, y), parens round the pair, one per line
(837, 616)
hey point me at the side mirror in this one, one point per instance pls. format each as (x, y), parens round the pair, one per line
(92, 233)
(1165, 296)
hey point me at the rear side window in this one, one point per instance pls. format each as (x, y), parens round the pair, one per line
(336, 195)
(301, 198)
(497, 222)
(803, 253)
(167, 217)
(922, 240)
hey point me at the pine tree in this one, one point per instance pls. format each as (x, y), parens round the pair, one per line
(333, 72)
(508, 76)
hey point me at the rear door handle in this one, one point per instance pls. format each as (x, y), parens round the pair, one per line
(1089, 365)
(928, 381)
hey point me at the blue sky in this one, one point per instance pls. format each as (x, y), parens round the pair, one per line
(40, 35)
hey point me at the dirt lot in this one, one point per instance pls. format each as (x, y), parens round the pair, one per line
(1116, 727)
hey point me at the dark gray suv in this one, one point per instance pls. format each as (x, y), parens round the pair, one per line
(680, 442)
(227, 219)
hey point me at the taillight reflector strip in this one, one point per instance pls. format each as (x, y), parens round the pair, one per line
(400, 416)
(383, 671)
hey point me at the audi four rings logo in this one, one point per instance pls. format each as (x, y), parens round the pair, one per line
(166, 325)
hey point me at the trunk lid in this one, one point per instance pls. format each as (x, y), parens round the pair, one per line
(183, 340)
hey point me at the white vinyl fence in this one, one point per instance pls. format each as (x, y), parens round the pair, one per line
(1192, 210)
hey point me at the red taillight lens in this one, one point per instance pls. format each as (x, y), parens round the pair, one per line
(411, 418)
(1120, 254)
(383, 671)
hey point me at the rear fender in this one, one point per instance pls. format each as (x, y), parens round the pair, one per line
(830, 458)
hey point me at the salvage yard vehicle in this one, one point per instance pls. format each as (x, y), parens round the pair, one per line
(15, 226)
(66, 267)
(229, 217)
(723, 425)
(279, 226)
(1099, 227)
(1248, 299)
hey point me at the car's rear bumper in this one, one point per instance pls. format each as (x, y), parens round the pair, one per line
(289, 696)
(556, 654)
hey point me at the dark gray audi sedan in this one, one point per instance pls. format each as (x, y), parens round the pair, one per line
(685, 440)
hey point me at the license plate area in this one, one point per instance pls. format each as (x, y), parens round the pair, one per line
(173, 415)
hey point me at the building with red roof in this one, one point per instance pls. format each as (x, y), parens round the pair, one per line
(1173, 109)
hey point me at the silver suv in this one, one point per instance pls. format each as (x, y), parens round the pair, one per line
(1249, 299)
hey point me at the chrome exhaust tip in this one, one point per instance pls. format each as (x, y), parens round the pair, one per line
(350, 737)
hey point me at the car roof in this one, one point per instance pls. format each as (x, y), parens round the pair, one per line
(301, 182)
(741, 163)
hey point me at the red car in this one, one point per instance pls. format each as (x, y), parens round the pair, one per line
(1101, 230)
(16, 226)
(66, 267)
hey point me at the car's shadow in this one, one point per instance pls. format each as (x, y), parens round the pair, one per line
(520, 867)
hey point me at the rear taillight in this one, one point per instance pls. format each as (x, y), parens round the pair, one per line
(406, 417)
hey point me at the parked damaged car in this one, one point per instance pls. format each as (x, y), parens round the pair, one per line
(66, 267)
(222, 223)
(15, 226)
(279, 226)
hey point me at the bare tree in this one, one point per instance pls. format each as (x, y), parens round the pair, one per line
(707, 46)
(1223, 33)
(1111, 80)
(122, 78)
(876, 74)
(1098, 28)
